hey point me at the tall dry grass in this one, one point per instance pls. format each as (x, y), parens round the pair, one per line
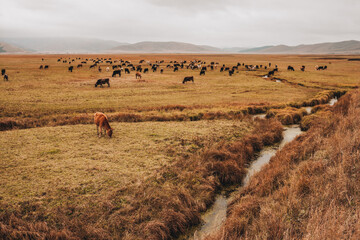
(162, 206)
(310, 189)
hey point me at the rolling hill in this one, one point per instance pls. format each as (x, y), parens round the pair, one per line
(166, 47)
(344, 47)
(62, 45)
(8, 48)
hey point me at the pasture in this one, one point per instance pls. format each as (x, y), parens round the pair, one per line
(174, 145)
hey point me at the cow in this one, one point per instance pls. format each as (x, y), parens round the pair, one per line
(302, 68)
(79, 66)
(3, 71)
(290, 68)
(41, 67)
(71, 68)
(176, 69)
(116, 72)
(146, 70)
(46, 67)
(101, 121)
(102, 81)
(231, 72)
(107, 69)
(161, 71)
(6, 77)
(271, 73)
(202, 72)
(137, 75)
(127, 71)
(188, 79)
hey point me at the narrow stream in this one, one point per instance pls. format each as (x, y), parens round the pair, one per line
(216, 215)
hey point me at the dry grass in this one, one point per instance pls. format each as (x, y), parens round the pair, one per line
(310, 188)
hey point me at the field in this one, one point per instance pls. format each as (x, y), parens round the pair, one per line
(174, 145)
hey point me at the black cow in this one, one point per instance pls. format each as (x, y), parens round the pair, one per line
(161, 71)
(102, 81)
(127, 70)
(116, 72)
(176, 69)
(46, 67)
(302, 68)
(41, 67)
(6, 78)
(3, 71)
(271, 73)
(231, 72)
(79, 65)
(188, 79)
(202, 72)
(71, 68)
(290, 68)
(146, 70)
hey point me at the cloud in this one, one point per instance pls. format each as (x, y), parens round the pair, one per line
(212, 22)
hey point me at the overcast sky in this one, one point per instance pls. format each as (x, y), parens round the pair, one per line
(220, 23)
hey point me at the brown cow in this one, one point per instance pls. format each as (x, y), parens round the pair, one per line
(137, 75)
(102, 121)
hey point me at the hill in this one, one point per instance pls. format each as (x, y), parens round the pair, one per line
(165, 47)
(344, 47)
(62, 45)
(8, 48)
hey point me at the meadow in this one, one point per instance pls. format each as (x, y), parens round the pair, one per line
(174, 145)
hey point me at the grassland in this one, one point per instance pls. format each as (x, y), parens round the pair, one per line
(310, 189)
(174, 145)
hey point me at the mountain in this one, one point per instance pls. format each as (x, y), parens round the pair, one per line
(344, 47)
(62, 45)
(165, 47)
(8, 48)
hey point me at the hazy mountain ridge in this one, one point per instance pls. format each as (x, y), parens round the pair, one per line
(165, 47)
(8, 48)
(344, 47)
(62, 45)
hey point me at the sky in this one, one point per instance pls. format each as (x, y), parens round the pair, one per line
(219, 23)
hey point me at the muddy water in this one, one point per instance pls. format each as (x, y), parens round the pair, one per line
(214, 217)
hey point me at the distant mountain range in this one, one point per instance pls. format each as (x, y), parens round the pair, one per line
(166, 47)
(345, 47)
(87, 45)
(62, 45)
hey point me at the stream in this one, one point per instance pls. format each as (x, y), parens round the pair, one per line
(214, 217)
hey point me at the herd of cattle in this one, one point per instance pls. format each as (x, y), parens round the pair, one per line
(125, 66)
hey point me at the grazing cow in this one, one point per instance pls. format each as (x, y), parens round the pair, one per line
(290, 68)
(271, 73)
(188, 79)
(46, 67)
(79, 66)
(302, 68)
(146, 70)
(6, 78)
(3, 71)
(137, 75)
(116, 72)
(127, 71)
(92, 66)
(101, 121)
(176, 69)
(202, 72)
(231, 72)
(71, 68)
(161, 71)
(41, 67)
(102, 81)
